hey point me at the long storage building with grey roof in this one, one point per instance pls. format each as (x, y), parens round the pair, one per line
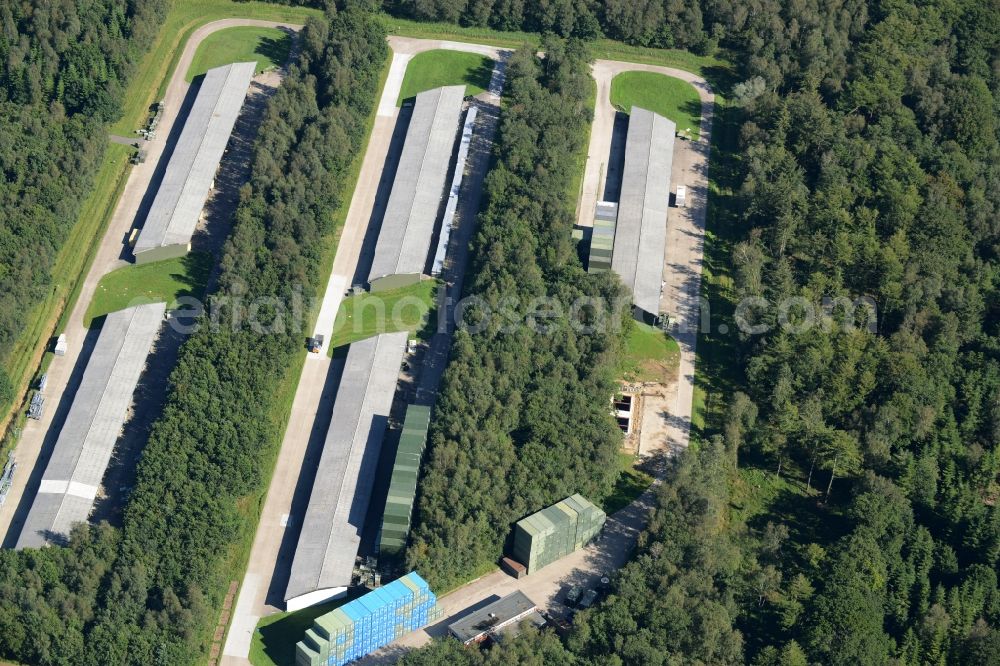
(640, 233)
(190, 174)
(331, 530)
(87, 439)
(412, 212)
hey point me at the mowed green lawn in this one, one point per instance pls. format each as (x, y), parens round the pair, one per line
(267, 46)
(274, 639)
(160, 281)
(652, 355)
(433, 69)
(365, 315)
(671, 98)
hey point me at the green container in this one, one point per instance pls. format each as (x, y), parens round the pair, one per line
(556, 531)
(403, 482)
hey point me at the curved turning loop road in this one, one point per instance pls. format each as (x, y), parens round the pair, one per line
(108, 257)
(680, 298)
(267, 571)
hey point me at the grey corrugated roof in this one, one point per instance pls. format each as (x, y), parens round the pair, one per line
(87, 439)
(411, 213)
(179, 201)
(331, 530)
(641, 228)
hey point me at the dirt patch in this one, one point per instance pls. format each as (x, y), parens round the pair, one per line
(657, 372)
(651, 410)
(653, 437)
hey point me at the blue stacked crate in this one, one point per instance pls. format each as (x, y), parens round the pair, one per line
(368, 623)
(356, 618)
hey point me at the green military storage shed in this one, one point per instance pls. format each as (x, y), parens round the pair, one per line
(556, 531)
(602, 239)
(403, 483)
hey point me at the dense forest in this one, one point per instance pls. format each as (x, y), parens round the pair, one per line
(63, 69)
(660, 23)
(668, 606)
(150, 593)
(655, 23)
(873, 170)
(841, 507)
(775, 34)
(521, 420)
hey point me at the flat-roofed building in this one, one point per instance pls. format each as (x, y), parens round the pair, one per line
(494, 618)
(87, 439)
(640, 234)
(415, 203)
(190, 173)
(331, 530)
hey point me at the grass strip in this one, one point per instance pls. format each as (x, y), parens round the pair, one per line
(651, 355)
(716, 368)
(161, 281)
(574, 192)
(433, 69)
(405, 309)
(268, 47)
(672, 98)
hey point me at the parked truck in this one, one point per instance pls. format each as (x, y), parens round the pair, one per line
(679, 200)
(315, 344)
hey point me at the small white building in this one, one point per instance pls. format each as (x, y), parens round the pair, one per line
(681, 199)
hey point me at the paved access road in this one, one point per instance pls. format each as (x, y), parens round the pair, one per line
(682, 274)
(111, 254)
(546, 587)
(680, 299)
(270, 558)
